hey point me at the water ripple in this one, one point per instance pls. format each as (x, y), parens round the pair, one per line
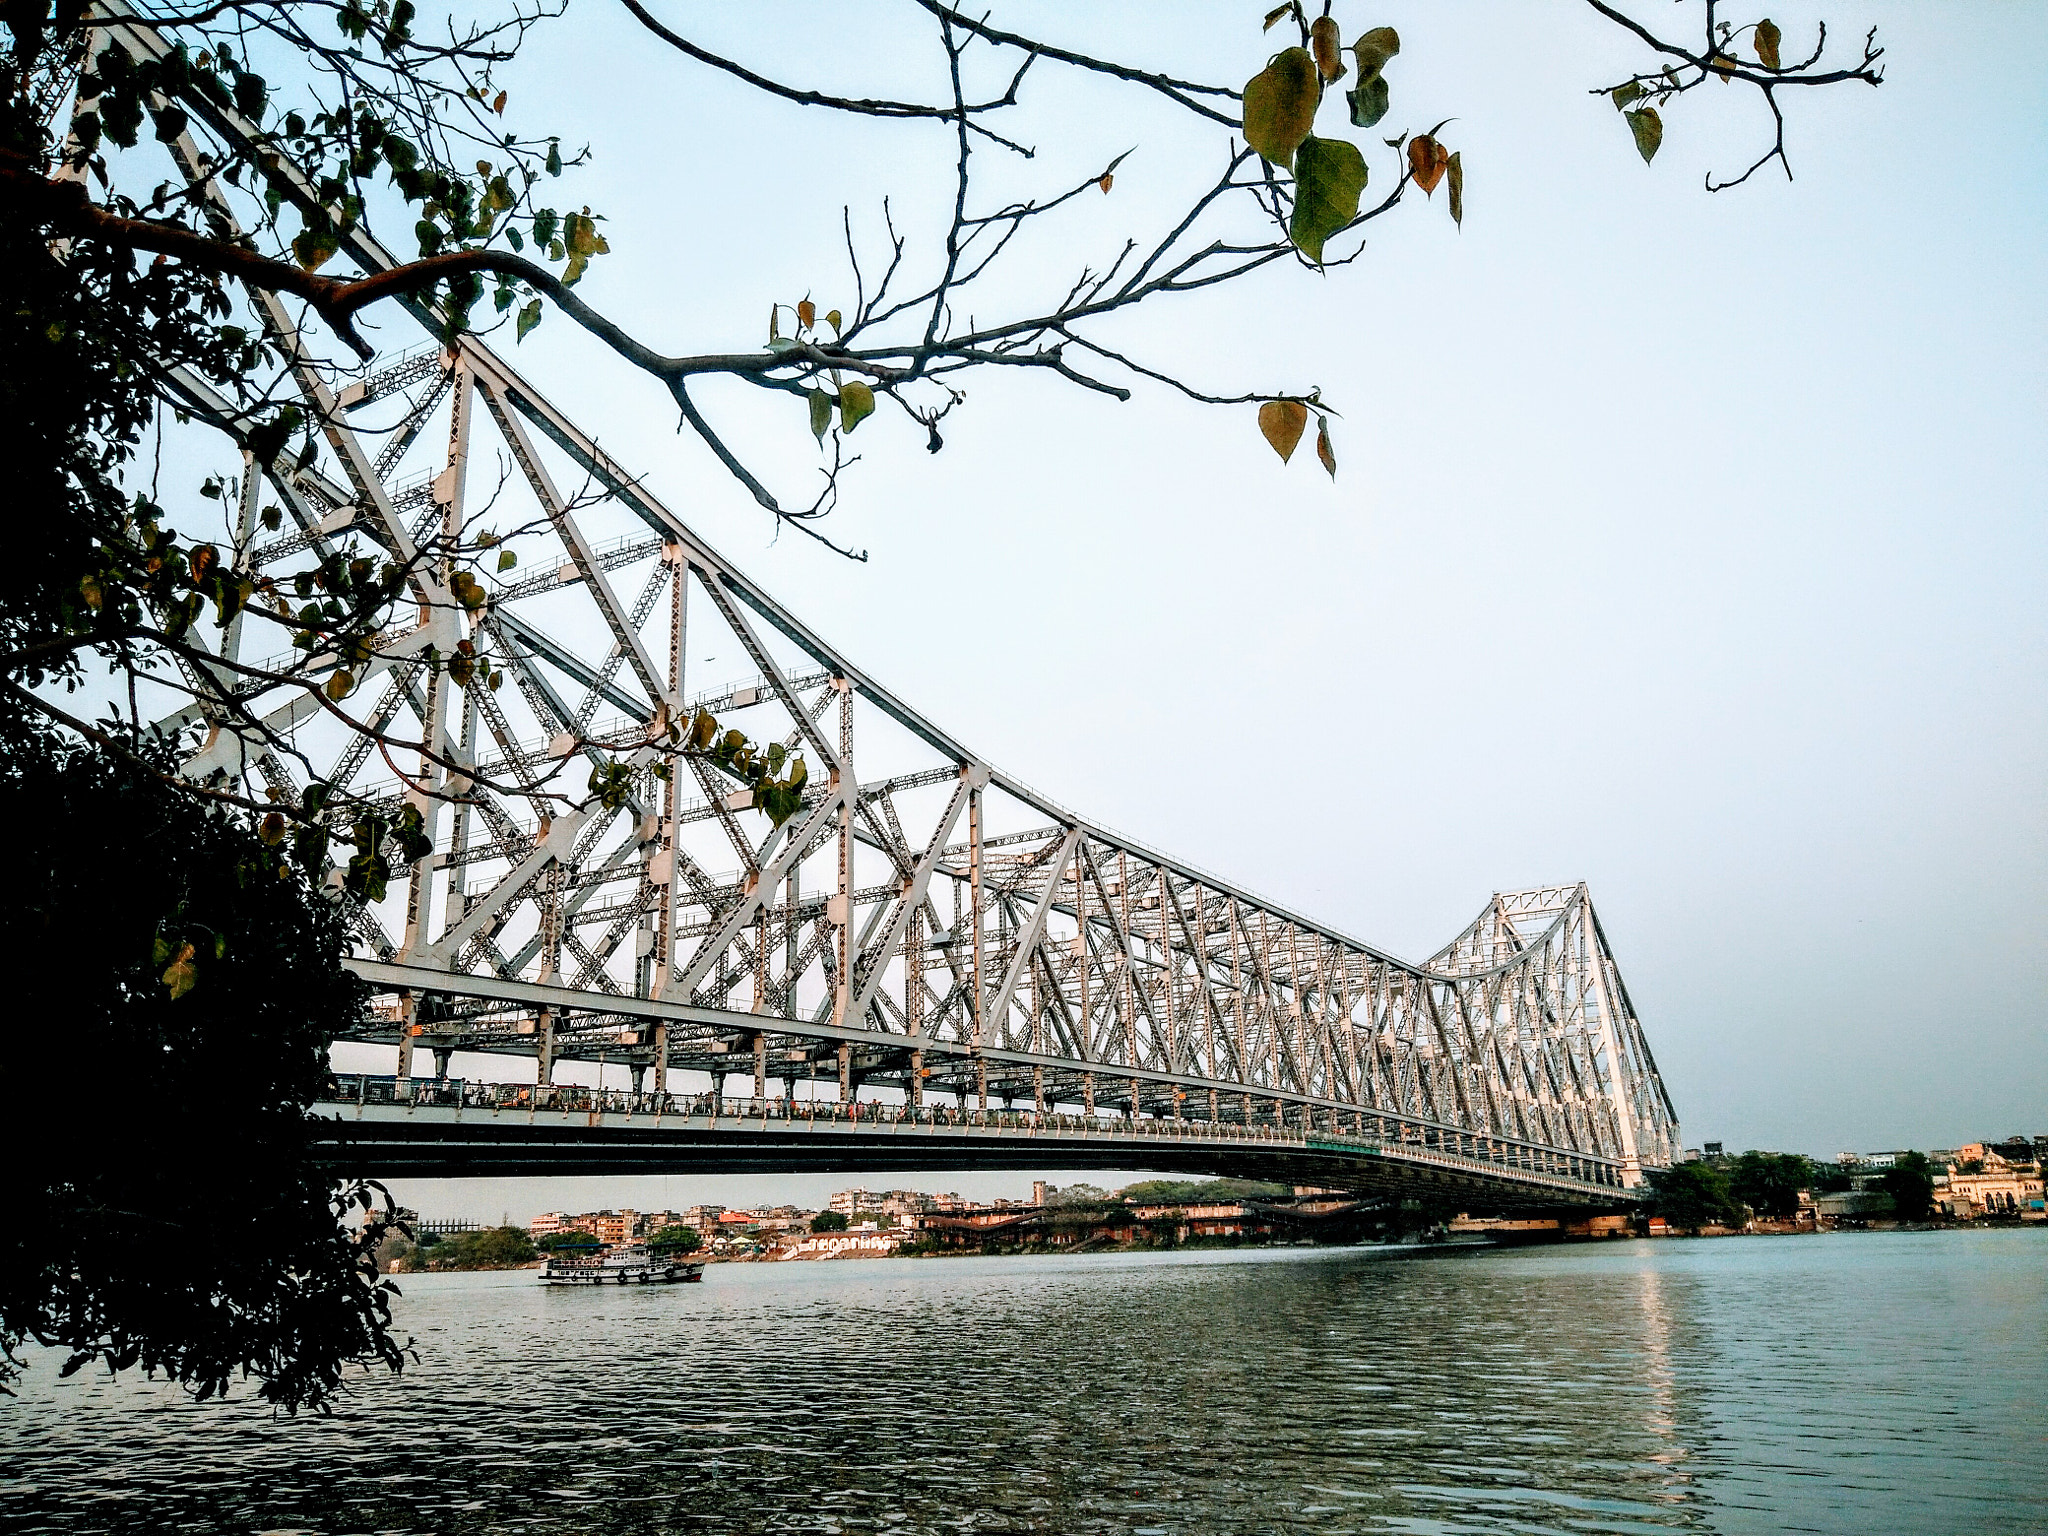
(1852, 1384)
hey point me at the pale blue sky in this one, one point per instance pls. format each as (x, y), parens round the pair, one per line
(1690, 545)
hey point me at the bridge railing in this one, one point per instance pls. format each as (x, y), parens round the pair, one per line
(1373, 1135)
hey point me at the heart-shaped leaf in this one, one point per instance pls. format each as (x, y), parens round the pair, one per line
(1648, 128)
(1427, 162)
(1283, 422)
(1280, 105)
(1329, 175)
(856, 404)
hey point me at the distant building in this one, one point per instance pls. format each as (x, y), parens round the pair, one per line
(1039, 1190)
(2008, 1182)
(886, 1202)
(867, 1243)
(444, 1227)
(547, 1224)
(1711, 1149)
(615, 1227)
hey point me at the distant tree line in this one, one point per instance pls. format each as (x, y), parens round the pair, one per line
(1713, 1192)
(492, 1248)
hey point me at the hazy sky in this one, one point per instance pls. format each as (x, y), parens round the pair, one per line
(1689, 545)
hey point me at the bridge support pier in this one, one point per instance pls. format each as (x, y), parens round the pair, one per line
(639, 1078)
(408, 1015)
(1088, 1092)
(544, 1054)
(917, 1079)
(442, 1055)
(845, 1072)
(760, 1068)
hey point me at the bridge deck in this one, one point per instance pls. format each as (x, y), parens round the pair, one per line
(428, 1129)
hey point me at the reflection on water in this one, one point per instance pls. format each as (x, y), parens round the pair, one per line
(1852, 1384)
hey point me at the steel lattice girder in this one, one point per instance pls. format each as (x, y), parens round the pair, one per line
(937, 925)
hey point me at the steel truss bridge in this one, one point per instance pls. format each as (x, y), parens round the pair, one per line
(930, 941)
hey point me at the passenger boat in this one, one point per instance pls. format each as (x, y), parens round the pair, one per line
(628, 1264)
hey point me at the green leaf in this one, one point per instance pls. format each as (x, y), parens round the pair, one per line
(1280, 105)
(1329, 175)
(821, 413)
(1768, 37)
(1456, 169)
(1283, 422)
(1374, 49)
(856, 404)
(1624, 94)
(506, 559)
(529, 317)
(1369, 101)
(313, 247)
(1370, 98)
(1648, 128)
(832, 319)
(582, 237)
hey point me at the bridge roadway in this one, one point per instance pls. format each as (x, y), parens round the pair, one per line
(448, 1128)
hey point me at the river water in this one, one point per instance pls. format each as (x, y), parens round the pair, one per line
(1860, 1383)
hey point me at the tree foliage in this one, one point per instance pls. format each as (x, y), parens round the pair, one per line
(829, 1221)
(1910, 1183)
(492, 1248)
(1769, 1183)
(172, 1217)
(1693, 1195)
(1160, 1191)
(676, 1239)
